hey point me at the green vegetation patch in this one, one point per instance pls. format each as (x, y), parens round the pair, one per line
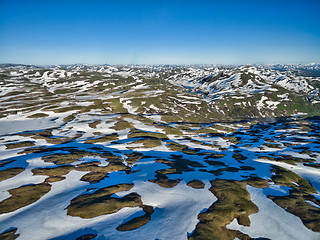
(177, 147)
(137, 222)
(101, 203)
(93, 177)
(196, 184)
(148, 143)
(220, 171)
(38, 115)
(287, 159)
(314, 165)
(297, 205)
(68, 109)
(5, 162)
(9, 234)
(93, 167)
(47, 135)
(54, 171)
(106, 138)
(273, 145)
(54, 179)
(121, 125)
(10, 172)
(171, 118)
(256, 182)
(116, 105)
(233, 202)
(23, 196)
(34, 150)
(73, 156)
(292, 160)
(46, 150)
(234, 140)
(215, 156)
(111, 157)
(94, 124)
(116, 166)
(133, 157)
(165, 183)
(87, 237)
(286, 178)
(239, 157)
(300, 192)
(170, 130)
(70, 117)
(141, 134)
(178, 165)
(96, 173)
(20, 145)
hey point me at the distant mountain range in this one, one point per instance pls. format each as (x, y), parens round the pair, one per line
(229, 91)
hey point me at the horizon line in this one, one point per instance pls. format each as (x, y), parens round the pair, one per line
(163, 64)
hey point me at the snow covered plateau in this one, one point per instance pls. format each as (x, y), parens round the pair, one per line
(159, 152)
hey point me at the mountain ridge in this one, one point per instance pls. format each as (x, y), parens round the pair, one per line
(229, 92)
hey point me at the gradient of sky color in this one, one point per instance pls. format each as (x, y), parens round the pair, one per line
(159, 32)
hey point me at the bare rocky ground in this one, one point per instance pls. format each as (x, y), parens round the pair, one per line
(161, 152)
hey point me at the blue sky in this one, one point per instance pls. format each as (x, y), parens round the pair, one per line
(159, 32)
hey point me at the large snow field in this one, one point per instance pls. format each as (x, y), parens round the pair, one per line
(137, 144)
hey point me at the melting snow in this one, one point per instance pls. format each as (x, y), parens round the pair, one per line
(272, 221)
